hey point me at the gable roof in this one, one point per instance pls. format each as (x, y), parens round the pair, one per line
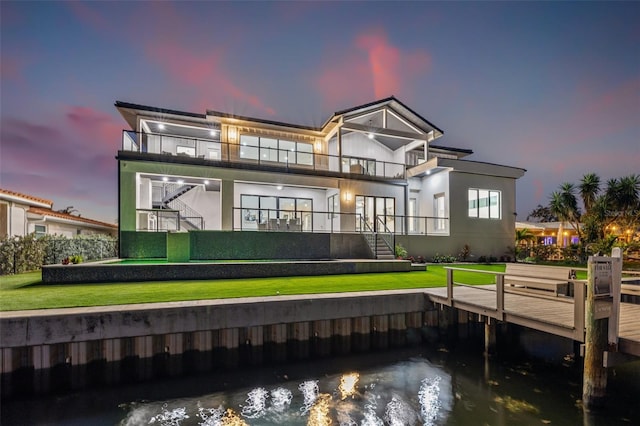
(24, 198)
(394, 104)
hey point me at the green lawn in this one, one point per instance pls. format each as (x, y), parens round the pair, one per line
(26, 291)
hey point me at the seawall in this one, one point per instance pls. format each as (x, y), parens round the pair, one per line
(63, 349)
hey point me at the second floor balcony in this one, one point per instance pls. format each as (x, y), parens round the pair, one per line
(297, 156)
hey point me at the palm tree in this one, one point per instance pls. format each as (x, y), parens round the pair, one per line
(589, 189)
(522, 235)
(564, 205)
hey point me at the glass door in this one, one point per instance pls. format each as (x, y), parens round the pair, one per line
(369, 208)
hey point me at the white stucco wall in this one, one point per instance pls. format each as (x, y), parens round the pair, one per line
(207, 203)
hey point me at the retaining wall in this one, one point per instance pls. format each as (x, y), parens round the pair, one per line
(115, 272)
(63, 349)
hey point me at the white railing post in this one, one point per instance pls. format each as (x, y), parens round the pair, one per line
(500, 295)
(578, 310)
(449, 286)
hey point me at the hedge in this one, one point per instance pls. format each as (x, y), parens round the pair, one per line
(29, 253)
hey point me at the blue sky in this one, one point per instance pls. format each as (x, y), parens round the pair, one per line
(551, 87)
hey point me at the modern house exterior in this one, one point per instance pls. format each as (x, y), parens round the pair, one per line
(370, 177)
(23, 214)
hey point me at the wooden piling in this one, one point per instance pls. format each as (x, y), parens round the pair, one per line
(595, 374)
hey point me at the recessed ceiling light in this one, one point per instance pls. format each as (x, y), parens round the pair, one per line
(279, 187)
(370, 135)
(212, 132)
(206, 182)
(164, 179)
(161, 126)
(180, 181)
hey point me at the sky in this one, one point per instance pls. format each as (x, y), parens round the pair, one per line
(550, 87)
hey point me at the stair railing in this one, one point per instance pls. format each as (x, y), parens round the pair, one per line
(369, 235)
(386, 235)
(187, 213)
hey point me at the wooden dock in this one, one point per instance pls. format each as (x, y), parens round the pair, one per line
(557, 315)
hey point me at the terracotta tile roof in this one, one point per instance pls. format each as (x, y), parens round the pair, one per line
(51, 213)
(25, 196)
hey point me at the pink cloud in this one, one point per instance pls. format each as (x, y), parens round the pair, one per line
(370, 67)
(204, 73)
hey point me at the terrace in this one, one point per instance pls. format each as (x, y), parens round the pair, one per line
(263, 152)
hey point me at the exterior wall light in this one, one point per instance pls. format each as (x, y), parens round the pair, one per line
(347, 196)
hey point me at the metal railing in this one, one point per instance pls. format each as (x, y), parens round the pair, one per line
(187, 213)
(157, 220)
(254, 219)
(369, 235)
(385, 234)
(217, 151)
(418, 225)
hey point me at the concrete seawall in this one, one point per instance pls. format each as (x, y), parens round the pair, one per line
(62, 349)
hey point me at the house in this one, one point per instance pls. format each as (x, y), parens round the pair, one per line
(22, 214)
(370, 177)
(561, 234)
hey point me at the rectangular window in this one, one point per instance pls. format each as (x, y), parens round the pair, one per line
(249, 147)
(268, 149)
(185, 150)
(485, 204)
(275, 150)
(333, 206)
(439, 210)
(40, 230)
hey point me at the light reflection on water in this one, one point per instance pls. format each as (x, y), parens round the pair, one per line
(412, 392)
(412, 386)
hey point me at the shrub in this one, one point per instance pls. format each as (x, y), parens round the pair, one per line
(400, 251)
(443, 258)
(464, 253)
(28, 253)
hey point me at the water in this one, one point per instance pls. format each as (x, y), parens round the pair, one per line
(418, 386)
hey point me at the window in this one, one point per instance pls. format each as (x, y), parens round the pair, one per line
(277, 213)
(439, 212)
(333, 205)
(484, 204)
(275, 150)
(40, 230)
(185, 150)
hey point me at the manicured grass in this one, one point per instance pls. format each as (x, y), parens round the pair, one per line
(25, 291)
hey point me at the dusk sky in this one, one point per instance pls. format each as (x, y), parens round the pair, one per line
(551, 87)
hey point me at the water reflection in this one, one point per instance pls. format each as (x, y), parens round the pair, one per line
(407, 393)
(416, 386)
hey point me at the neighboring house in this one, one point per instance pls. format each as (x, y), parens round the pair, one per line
(22, 214)
(561, 234)
(369, 173)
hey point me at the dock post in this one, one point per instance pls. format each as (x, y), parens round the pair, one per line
(489, 336)
(597, 327)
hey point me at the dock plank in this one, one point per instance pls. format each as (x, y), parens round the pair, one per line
(549, 314)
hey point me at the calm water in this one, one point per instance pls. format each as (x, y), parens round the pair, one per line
(418, 386)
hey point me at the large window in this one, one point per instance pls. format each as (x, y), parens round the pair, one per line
(276, 213)
(484, 203)
(275, 150)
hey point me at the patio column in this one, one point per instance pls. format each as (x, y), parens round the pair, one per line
(226, 204)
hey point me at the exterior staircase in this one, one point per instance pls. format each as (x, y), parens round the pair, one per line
(382, 249)
(189, 218)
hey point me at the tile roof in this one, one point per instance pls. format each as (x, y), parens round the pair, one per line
(52, 213)
(25, 196)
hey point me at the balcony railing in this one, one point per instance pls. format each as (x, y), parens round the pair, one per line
(418, 225)
(216, 151)
(273, 220)
(250, 219)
